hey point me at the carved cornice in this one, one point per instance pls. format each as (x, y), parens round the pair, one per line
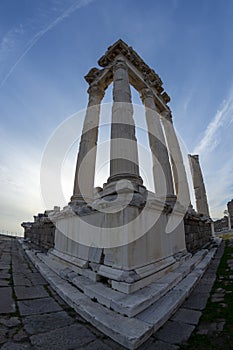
(149, 75)
(92, 75)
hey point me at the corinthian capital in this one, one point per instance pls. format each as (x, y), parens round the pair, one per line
(96, 90)
(146, 93)
(119, 63)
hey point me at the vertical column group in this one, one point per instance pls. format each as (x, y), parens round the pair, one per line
(124, 162)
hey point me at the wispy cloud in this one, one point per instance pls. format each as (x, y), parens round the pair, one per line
(224, 115)
(215, 149)
(13, 38)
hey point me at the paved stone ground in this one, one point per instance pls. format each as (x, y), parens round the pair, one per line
(33, 316)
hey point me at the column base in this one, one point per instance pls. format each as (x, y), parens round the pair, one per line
(79, 200)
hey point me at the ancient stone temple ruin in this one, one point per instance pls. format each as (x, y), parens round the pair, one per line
(122, 254)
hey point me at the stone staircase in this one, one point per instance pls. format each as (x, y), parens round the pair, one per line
(129, 319)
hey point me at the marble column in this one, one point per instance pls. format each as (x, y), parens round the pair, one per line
(163, 181)
(85, 167)
(178, 168)
(123, 151)
(199, 186)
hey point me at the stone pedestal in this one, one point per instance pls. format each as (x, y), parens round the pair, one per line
(125, 246)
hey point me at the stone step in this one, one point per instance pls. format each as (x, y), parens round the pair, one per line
(125, 304)
(158, 313)
(70, 259)
(129, 332)
(93, 276)
(166, 297)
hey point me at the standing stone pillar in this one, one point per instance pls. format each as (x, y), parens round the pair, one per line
(199, 186)
(123, 152)
(230, 211)
(85, 167)
(178, 168)
(163, 181)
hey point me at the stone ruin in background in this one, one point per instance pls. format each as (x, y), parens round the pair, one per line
(124, 238)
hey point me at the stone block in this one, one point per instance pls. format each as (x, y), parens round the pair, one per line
(132, 304)
(128, 288)
(175, 332)
(95, 254)
(70, 337)
(158, 313)
(196, 301)
(38, 306)
(7, 303)
(130, 332)
(187, 284)
(187, 316)
(155, 267)
(103, 294)
(32, 292)
(35, 324)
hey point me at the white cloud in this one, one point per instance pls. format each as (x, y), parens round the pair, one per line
(215, 150)
(224, 115)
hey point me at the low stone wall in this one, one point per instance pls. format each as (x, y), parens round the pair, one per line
(197, 232)
(41, 232)
(221, 224)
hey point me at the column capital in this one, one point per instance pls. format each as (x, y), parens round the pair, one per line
(96, 89)
(120, 63)
(146, 93)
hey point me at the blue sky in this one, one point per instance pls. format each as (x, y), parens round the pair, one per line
(47, 46)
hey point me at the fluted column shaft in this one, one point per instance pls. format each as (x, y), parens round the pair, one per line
(123, 152)
(85, 167)
(163, 181)
(178, 168)
(199, 186)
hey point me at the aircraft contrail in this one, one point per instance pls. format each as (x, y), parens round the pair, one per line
(42, 32)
